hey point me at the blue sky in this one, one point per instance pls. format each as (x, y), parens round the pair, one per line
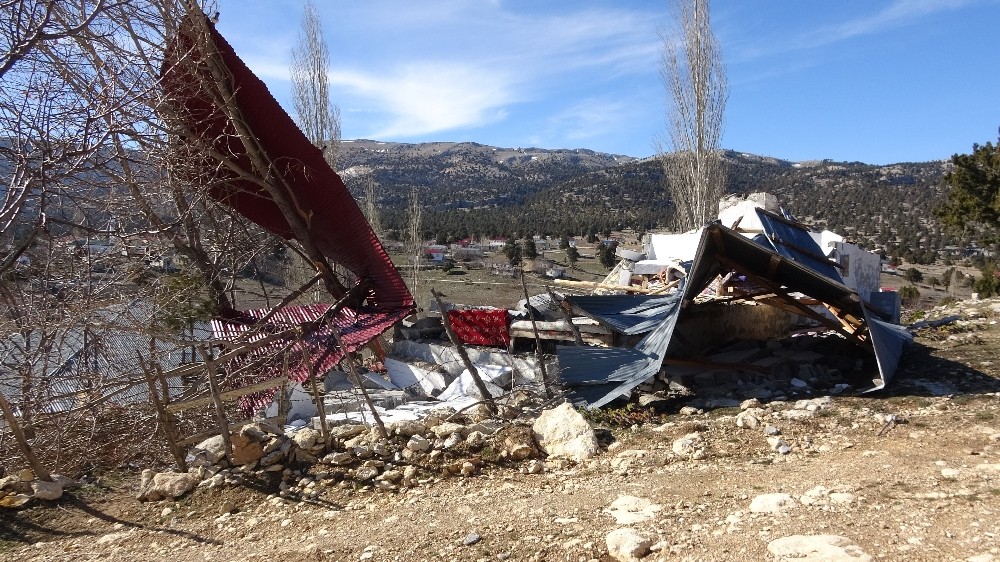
(870, 81)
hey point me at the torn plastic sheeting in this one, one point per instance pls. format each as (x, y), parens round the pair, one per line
(447, 357)
(407, 376)
(496, 378)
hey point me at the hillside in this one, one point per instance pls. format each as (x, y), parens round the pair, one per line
(472, 189)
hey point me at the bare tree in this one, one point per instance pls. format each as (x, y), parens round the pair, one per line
(415, 241)
(695, 81)
(371, 207)
(317, 117)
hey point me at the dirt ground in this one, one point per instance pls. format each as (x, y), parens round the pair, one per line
(925, 486)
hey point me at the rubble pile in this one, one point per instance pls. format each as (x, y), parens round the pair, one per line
(416, 452)
(20, 488)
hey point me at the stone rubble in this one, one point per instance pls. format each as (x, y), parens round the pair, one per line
(626, 544)
(817, 548)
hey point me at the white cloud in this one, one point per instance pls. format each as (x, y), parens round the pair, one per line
(412, 69)
(429, 97)
(591, 118)
(900, 12)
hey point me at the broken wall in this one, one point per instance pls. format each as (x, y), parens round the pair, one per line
(706, 325)
(733, 209)
(860, 269)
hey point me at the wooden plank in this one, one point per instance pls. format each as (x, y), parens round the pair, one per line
(226, 395)
(596, 285)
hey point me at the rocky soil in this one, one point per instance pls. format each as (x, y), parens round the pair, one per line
(911, 473)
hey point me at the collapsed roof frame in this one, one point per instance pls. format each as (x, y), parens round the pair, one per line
(793, 265)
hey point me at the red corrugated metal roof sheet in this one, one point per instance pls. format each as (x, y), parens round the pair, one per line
(317, 347)
(335, 223)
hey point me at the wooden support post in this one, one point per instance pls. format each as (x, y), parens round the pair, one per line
(166, 421)
(353, 370)
(22, 441)
(568, 316)
(317, 399)
(538, 341)
(284, 404)
(460, 347)
(220, 410)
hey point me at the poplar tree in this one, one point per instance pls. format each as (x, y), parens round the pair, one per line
(318, 118)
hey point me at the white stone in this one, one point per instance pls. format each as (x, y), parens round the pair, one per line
(443, 430)
(168, 485)
(419, 443)
(46, 490)
(627, 544)
(950, 473)
(817, 548)
(214, 448)
(842, 498)
(339, 458)
(798, 414)
(772, 503)
(563, 432)
(408, 428)
(747, 419)
(307, 437)
(691, 445)
(628, 510)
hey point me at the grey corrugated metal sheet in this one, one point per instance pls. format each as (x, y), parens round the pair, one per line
(795, 243)
(887, 302)
(586, 365)
(99, 362)
(889, 340)
(583, 367)
(628, 314)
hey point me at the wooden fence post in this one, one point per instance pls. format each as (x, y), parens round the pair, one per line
(166, 423)
(317, 399)
(352, 369)
(220, 410)
(8, 413)
(460, 347)
(538, 341)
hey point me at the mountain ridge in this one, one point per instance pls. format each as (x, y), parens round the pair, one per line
(467, 188)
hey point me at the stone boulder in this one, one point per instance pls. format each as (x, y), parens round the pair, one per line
(772, 503)
(246, 449)
(46, 490)
(307, 438)
(213, 449)
(817, 548)
(160, 485)
(628, 545)
(562, 432)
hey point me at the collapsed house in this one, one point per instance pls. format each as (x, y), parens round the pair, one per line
(762, 277)
(755, 273)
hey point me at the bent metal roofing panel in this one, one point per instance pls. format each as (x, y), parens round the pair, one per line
(250, 128)
(596, 376)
